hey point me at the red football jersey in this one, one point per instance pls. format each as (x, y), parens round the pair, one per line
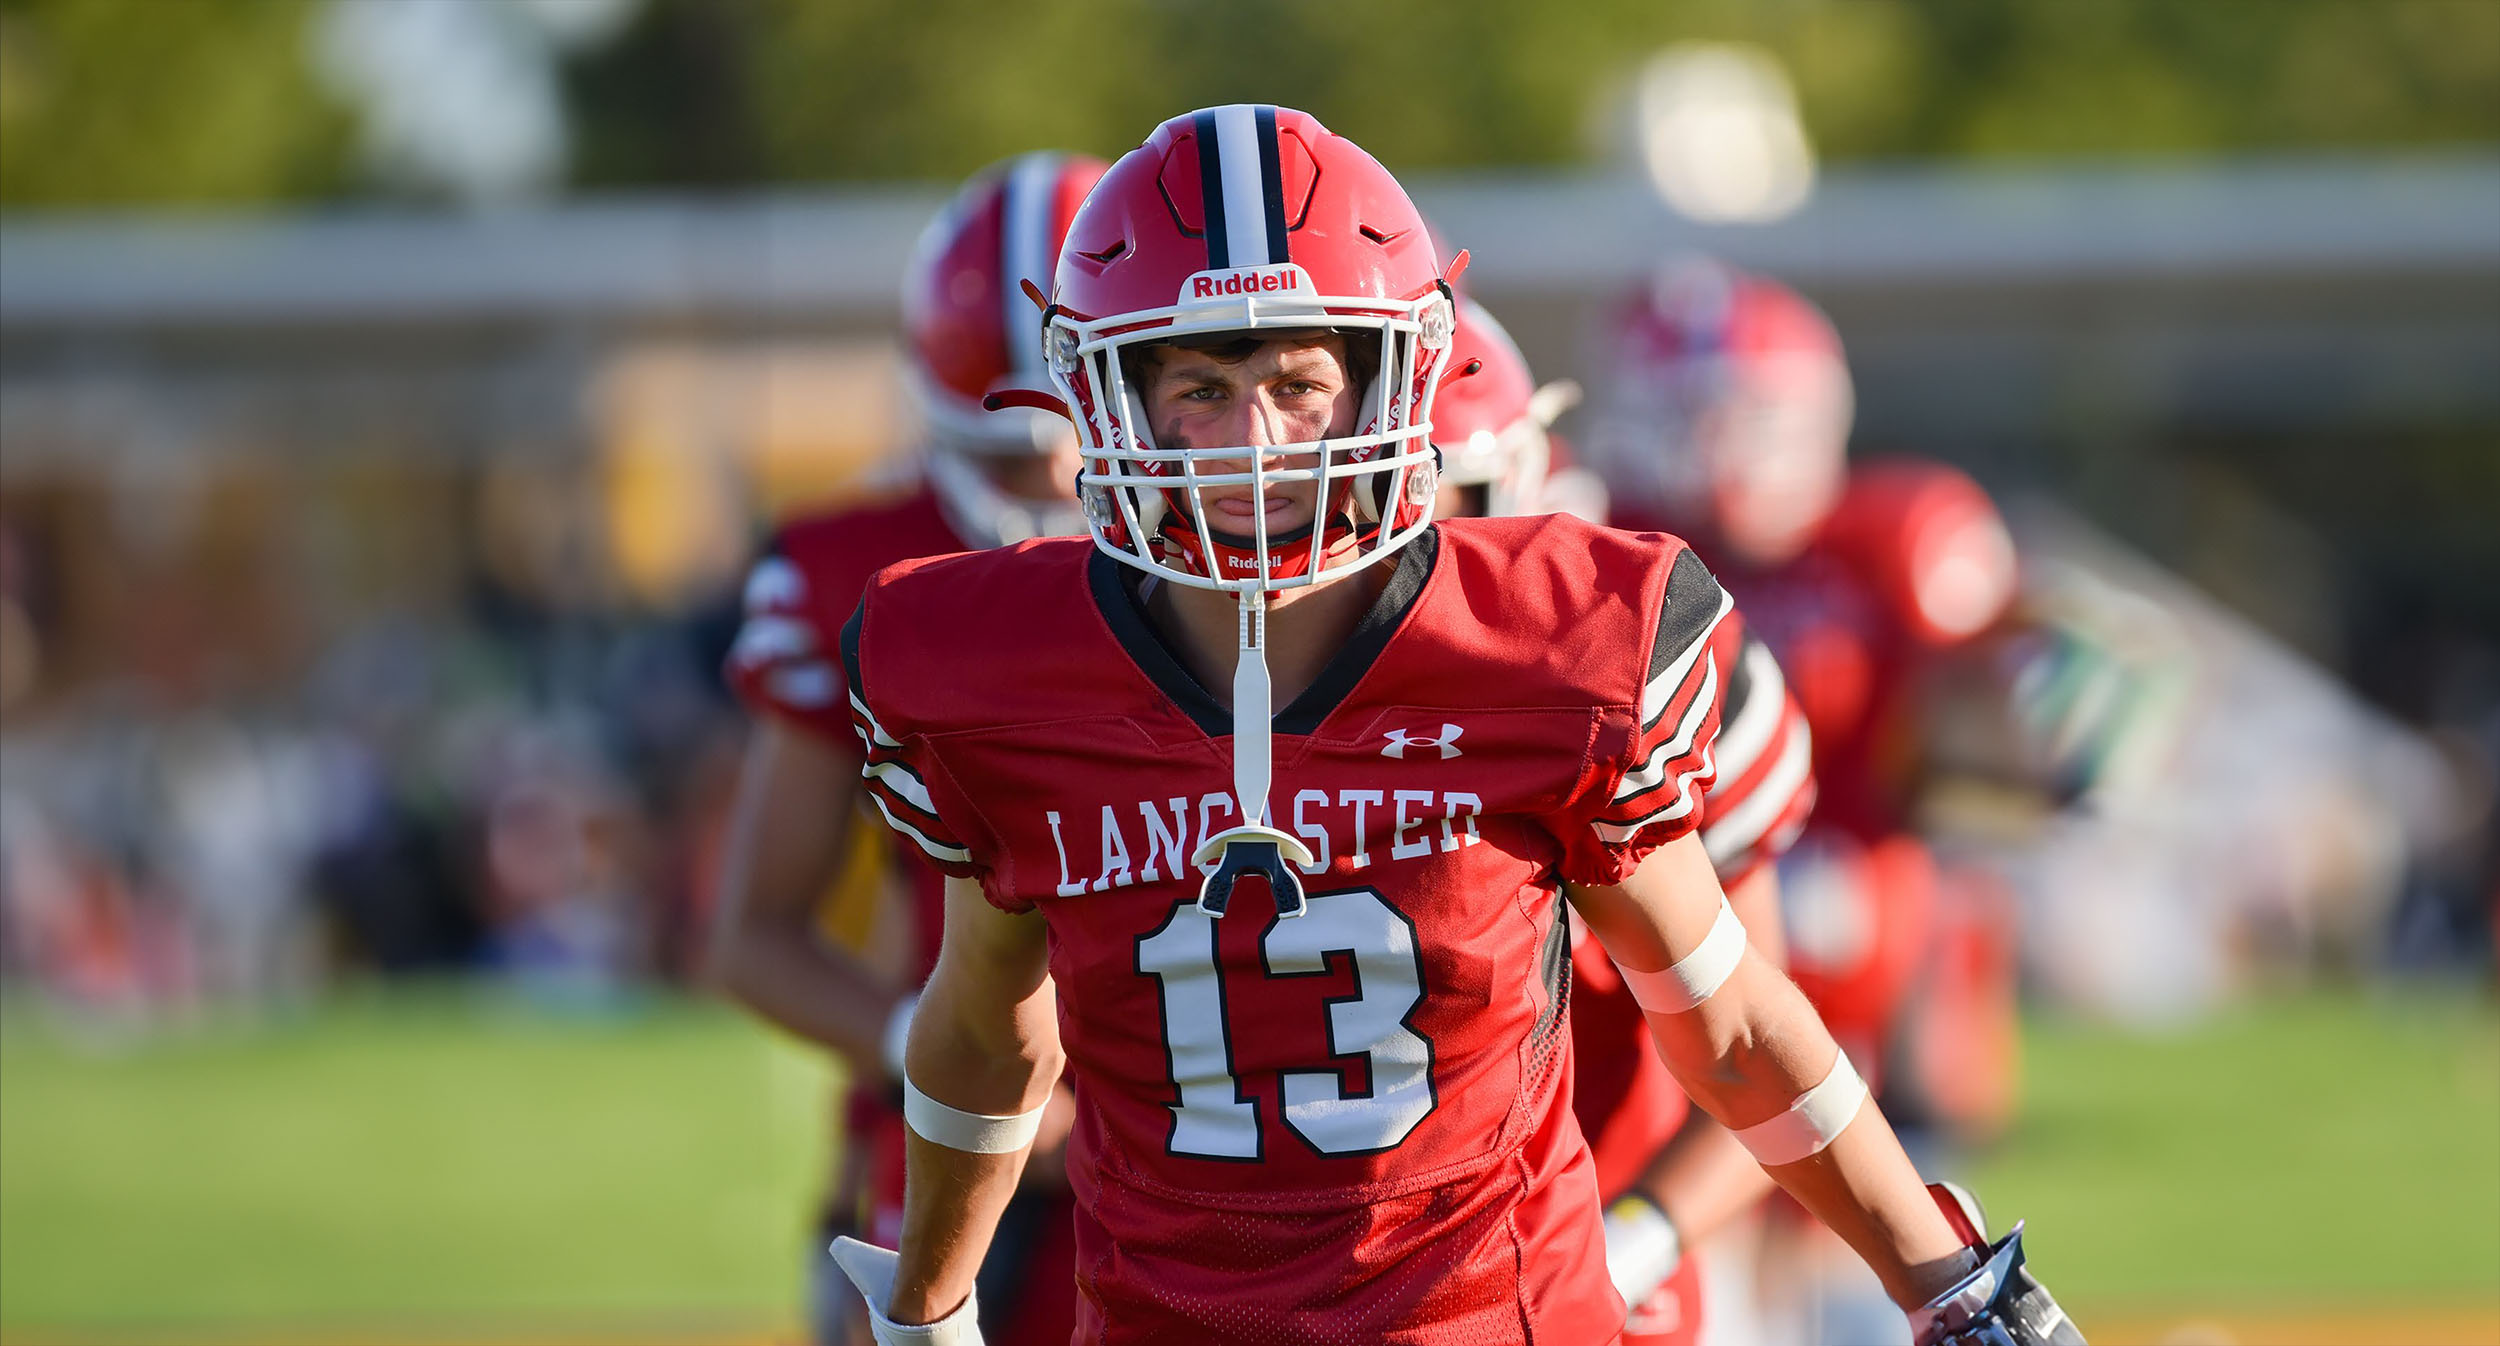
(1354, 1124)
(1912, 560)
(786, 662)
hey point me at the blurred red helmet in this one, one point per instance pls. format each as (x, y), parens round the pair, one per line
(1253, 220)
(971, 329)
(1727, 407)
(1493, 425)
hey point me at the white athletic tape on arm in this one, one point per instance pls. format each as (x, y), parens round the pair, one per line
(1696, 976)
(1815, 1120)
(971, 1132)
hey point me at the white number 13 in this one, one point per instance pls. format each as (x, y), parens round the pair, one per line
(1212, 1119)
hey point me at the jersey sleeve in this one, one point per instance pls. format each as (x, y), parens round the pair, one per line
(1764, 756)
(785, 662)
(1650, 791)
(897, 770)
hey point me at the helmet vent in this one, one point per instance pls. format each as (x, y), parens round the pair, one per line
(1107, 255)
(1375, 235)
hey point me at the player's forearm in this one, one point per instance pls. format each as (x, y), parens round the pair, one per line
(789, 828)
(951, 1204)
(791, 978)
(1750, 1052)
(1703, 1178)
(975, 1052)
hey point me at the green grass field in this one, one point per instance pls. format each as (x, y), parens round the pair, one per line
(2333, 1151)
(444, 1166)
(437, 1164)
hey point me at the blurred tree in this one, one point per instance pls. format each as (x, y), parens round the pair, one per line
(127, 102)
(166, 101)
(702, 92)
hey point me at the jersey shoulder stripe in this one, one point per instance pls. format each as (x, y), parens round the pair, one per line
(893, 783)
(784, 662)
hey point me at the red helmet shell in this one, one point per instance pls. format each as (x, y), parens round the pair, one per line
(1727, 408)
(1708, 311)
(1167, 211)
(1491, 400)
(971, 329)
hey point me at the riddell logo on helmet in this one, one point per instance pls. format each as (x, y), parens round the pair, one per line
(1249, 280)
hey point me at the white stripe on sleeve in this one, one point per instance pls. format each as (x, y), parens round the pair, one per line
(1661, 689)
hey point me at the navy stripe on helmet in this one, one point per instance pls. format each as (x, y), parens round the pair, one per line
(1272, 181)
(1211, 193)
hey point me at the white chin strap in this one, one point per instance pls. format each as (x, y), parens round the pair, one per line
(1253, 847)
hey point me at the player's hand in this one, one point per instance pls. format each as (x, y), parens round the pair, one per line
(1642, 1246)
(1997, 1304)
(871, 1268)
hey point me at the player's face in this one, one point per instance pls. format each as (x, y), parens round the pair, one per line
(1288, 390)
(1775, 446)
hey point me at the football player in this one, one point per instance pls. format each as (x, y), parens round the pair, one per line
(1317, 1029)
(1670, 1176)
(1727, 420)
(989, 477)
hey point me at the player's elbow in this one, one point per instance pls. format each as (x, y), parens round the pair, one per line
(992, 1054)
(736, 956)
(1743, 1043)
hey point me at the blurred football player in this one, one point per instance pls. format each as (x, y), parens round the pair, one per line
(988, 477)
(1670, 1176)
(1317, 1031)
(1726, 418)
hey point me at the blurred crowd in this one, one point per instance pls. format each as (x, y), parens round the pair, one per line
(532, 800)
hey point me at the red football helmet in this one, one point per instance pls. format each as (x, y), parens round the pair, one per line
(1258, 220)
(1491, 421)
(972, 332)
(1727, 409)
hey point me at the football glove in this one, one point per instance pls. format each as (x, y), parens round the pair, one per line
(1997, 1304)
(1642, 1246)
(871, 1268)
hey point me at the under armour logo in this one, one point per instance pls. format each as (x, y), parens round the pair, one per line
(1400, 741)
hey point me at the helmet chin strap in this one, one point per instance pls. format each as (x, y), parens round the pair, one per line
(1253, 848)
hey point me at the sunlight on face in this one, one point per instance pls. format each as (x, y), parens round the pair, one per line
(1284, 390)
